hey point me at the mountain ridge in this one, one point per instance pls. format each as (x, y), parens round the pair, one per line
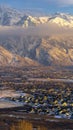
(13, 17)
(9, 59)
(46, 50)
(30, 41)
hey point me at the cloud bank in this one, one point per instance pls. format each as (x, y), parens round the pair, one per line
(65, 2)
(60, 2)
(40, 31)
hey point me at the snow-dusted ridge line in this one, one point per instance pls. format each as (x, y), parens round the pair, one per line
(13, 17)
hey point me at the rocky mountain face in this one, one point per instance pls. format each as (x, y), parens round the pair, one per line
(53, 50)
(9, 59)
(29, 49)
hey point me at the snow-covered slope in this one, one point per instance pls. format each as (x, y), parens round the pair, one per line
(35, 21)
(9, 16)
(13, 17)
(62, 20)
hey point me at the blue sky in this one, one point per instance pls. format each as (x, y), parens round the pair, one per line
(46, 6)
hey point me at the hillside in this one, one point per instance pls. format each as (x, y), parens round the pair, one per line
(47, 50)
(9, 59)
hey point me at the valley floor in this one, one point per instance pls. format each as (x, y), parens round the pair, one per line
(36, 98)
(21, 121)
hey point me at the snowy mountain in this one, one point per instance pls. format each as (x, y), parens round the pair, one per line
(62, 20)
(34, 21)
(9, 16)
(47, 45)
(13, 17)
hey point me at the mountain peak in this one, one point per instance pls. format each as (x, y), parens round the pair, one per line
(13, 17)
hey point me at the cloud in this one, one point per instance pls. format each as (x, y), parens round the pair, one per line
(60, 2)
(65, 2)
